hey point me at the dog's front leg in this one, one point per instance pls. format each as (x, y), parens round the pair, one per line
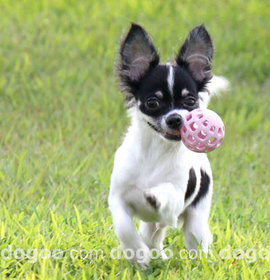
(168, 201)
(133, 246)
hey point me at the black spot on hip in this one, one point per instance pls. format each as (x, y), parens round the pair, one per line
(191, 184)
(204, 187)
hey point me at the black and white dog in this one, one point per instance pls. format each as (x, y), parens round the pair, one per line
(155, 177)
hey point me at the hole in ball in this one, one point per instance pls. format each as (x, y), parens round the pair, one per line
(202, 134)
(191, 139)
(200, 146)
(212, 140)
(220, 131)
(193, 126)
(188, 117)
(205, 123)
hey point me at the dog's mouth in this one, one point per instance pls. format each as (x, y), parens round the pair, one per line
(174, 135)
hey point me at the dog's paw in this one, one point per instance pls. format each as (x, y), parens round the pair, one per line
(166, 201)
(143, 265)
(163, 256)
(152, 199)
(141, 257)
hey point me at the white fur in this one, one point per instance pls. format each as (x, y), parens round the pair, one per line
(146, 163)
(170, 79)
(216, 85)
(159, 94)
(185, 92)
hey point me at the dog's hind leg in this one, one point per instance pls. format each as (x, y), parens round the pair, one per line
(153, 235)
(196, 228)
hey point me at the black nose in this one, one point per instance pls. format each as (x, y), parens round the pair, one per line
(174, 121)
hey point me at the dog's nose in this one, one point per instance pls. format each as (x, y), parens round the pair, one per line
(174, 121)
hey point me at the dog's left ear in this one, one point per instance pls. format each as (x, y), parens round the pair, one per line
(137, 56)
(196, 55)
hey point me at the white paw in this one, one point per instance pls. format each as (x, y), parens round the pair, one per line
(143, 265)
(203, 238)
(163, 256)
(167, 201)
(142, 258)
(206, 243)
(141, 255)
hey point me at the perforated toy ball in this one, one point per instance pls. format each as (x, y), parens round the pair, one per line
(203, 130)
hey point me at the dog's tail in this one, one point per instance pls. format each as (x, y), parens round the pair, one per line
(216, 85)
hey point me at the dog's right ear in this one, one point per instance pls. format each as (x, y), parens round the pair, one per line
(137, 57)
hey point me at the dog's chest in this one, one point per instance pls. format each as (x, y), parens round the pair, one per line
(154, 169)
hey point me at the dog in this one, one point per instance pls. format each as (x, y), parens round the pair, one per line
(155, 177)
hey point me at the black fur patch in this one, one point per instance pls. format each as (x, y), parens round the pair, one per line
(204, 187)
(156, 80)
(191, 184)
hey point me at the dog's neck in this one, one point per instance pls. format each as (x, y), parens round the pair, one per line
(147, 140)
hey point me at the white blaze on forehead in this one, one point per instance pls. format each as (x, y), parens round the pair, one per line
(185, 92)
(170, 79)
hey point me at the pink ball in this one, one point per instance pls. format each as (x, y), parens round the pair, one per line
(203, 130)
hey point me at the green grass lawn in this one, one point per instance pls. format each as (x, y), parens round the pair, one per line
(62, 117)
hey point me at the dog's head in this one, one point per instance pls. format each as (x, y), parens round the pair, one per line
(164, 93)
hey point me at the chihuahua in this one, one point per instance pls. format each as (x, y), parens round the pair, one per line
(155, 177)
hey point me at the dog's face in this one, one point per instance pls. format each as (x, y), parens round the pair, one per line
(164, 93)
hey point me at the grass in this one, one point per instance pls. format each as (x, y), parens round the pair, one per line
(62, 118)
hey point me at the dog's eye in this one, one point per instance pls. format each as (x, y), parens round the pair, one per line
(190, 101)
(152, 103)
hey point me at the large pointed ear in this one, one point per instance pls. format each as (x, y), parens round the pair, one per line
(196, 55)
(137, 56)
